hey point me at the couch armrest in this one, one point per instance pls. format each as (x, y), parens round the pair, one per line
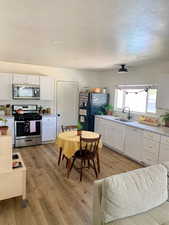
(97, 198)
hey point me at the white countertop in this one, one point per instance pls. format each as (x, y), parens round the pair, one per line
(48, 115)
(158, 130)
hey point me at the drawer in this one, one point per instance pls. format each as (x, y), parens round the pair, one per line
(165, 140)
(151, 145)
(152, 136)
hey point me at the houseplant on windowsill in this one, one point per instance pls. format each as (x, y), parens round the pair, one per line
(79, 128)
(165, 118)
(4, 127)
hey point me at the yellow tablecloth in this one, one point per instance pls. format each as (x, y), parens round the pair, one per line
(70, 142)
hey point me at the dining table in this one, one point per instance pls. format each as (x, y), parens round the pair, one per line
(69, 142)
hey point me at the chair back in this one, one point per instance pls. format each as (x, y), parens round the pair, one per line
(90, 144)
(69, 128)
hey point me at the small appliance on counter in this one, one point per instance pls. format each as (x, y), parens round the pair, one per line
(27, 125)
(90, 104)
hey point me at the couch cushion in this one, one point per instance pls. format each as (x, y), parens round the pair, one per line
(134, 192)
(156, 216)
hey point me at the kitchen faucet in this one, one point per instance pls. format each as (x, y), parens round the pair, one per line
(129, 113)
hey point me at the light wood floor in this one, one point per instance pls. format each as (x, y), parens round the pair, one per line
(54, 199)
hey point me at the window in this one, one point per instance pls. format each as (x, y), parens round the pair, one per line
(138, 99)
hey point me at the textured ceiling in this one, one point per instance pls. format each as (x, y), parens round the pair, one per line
(86, 34)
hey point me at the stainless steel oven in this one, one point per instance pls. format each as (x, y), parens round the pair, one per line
(27, 125)
(23, 134)
(24, 91)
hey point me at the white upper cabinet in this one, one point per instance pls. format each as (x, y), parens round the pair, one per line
(6, 86)
(162, 94)
(46, 88)
(26, 79)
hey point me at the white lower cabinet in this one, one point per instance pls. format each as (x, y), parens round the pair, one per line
(141, 145)
(10, 124)
(151, 148)
(134, 143)
(164, 153)
(48, 128)
(113, 134)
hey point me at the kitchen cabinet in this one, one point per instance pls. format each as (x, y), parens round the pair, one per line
(151, 147)
(164, 153)
(164, 149)
(162, 99)
(134, 143)
(46, 88)
(48, 128)
(26, 79)
(10, 124)
(6, 86)
(113, 134)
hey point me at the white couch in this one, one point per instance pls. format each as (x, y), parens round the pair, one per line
(138, 197)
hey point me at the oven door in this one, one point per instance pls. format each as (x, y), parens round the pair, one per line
(25, 129)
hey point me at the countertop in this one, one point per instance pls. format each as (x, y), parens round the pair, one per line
(158, 130)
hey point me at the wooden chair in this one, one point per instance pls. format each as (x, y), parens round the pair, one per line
(87, 153)
(64, 129)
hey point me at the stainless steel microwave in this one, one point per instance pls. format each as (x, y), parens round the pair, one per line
(24, 91)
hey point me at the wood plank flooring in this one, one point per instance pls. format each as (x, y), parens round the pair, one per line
(54, 199)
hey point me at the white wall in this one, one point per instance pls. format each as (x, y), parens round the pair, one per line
(148, 74)
(83, 77)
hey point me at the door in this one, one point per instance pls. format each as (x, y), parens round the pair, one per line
(67, 101)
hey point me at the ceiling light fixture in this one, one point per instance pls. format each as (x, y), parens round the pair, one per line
(123, 68)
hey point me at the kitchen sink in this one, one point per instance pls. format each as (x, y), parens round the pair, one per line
(123, 120)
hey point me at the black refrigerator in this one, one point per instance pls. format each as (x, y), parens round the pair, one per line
(91, 104)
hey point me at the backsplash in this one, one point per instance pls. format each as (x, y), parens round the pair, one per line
(44, 104)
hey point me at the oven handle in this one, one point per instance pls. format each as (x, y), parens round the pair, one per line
(27, 121)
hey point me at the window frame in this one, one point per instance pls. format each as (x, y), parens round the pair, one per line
(126, 87)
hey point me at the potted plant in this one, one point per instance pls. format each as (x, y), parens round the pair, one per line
(165, 118)
(109, 109)
(79, 128)
(4, 127)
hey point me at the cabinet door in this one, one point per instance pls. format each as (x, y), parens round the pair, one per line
(164, 153)
(6, 86)
(19, 79)
(46, 88)
(119, 137)
(150, 151)
(114, 135)
(33, 79)
(162, 99)
(25, 79)
(134, 143)
(48, 128)
(10, 124)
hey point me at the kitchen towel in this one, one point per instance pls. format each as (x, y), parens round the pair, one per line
(32, 126)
